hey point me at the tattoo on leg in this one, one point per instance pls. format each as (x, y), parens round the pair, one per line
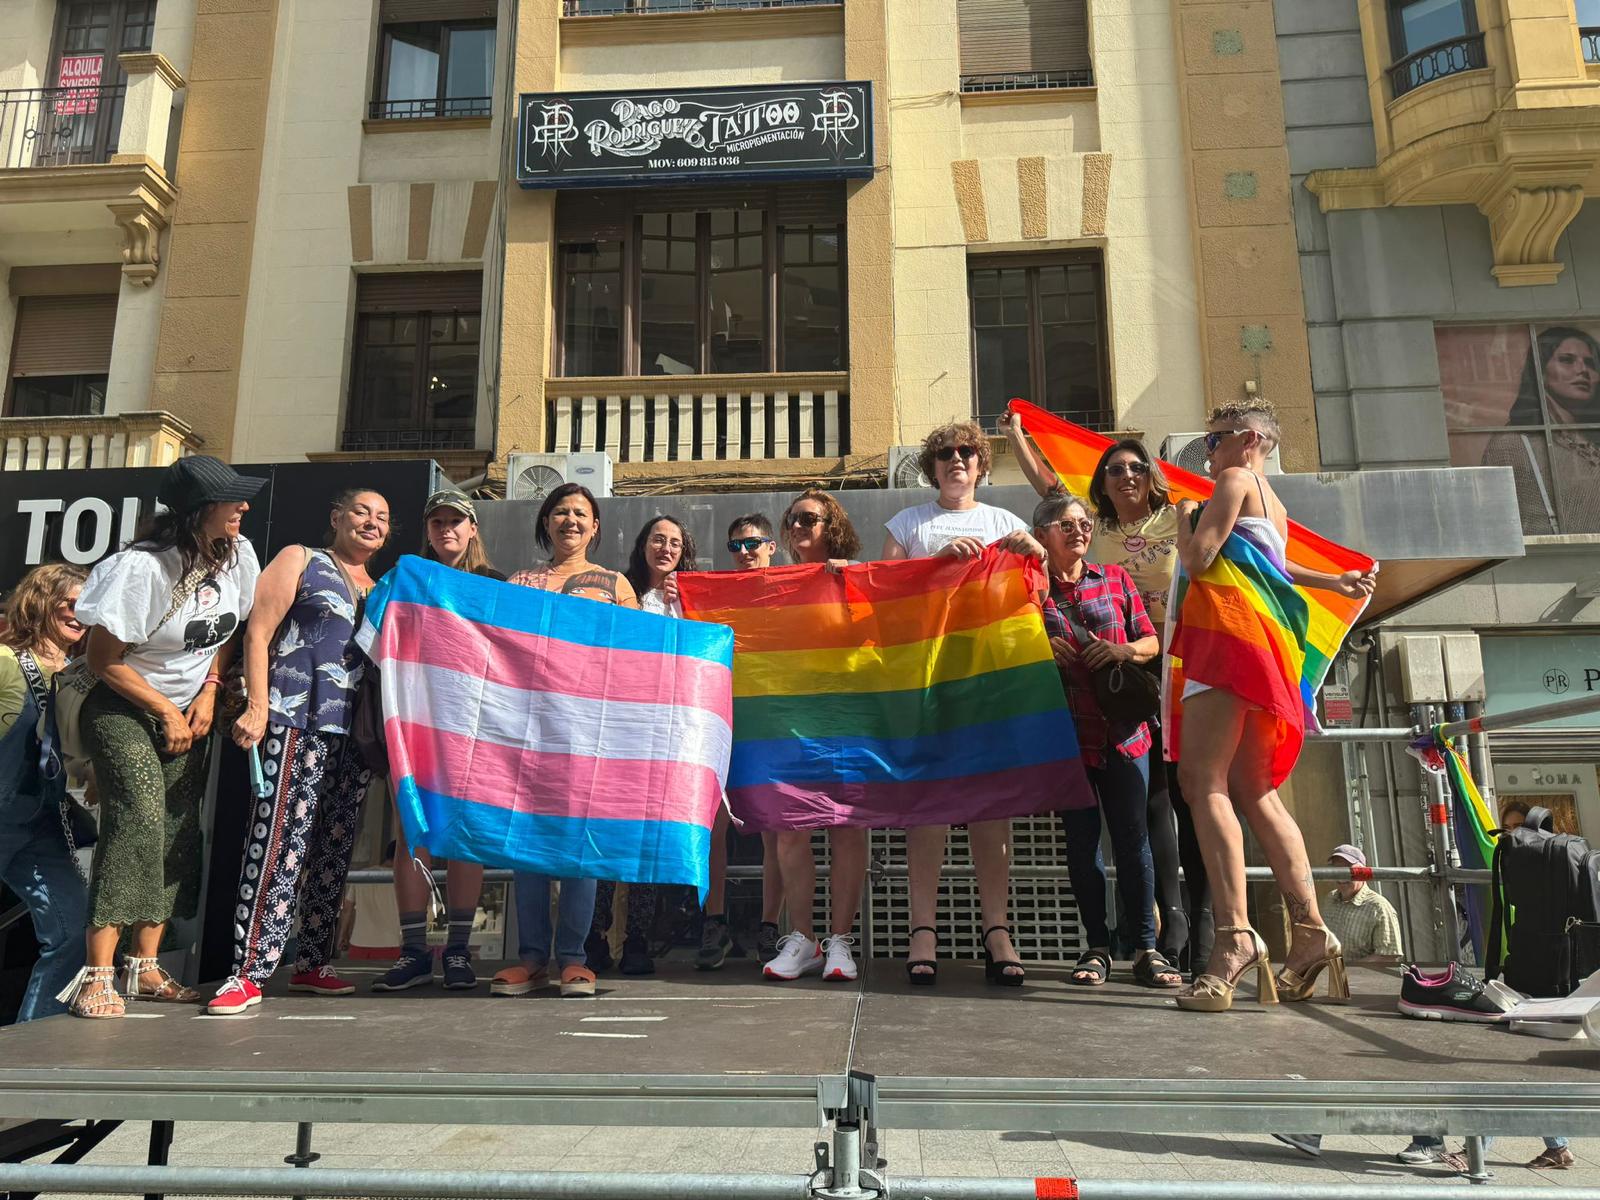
(1299, 910)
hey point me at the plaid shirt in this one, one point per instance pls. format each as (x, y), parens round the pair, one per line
(1367, 925)
(1109, 607)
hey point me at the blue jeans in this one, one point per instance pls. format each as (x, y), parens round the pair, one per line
(1550, 1143)
(575, 913)
(34, 864)
(1120, 786)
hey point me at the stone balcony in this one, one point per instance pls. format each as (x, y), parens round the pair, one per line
(135, 439)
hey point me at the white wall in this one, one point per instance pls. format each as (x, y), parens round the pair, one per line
(25, 28)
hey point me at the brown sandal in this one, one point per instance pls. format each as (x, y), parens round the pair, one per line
(1553, 1158)
(168, 991)
(93, 994)
(577, 981)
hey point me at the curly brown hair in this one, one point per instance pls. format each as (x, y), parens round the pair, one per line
(30, 604)
(956, 433)
(843, 541)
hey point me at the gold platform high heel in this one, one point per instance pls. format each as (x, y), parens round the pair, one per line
(1212, 993)
(1294, 986)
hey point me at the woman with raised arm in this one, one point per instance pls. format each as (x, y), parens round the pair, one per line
(164, 616)
(816, 529)
(41, 628)
(450, 520)
(301, 669)
(955, 457)
(569, 522)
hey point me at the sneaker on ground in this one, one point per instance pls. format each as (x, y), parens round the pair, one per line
(409, 971)
(235, 996)
(1307, 1143)
(1419, 1154)
(321, 981)
(841, 963)
(458, 973)
(796, 955)
(1454, 995)
(715, 942)
(767, 943)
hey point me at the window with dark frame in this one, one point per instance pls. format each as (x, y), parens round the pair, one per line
(414, 374)
(61, 355)
(1039, 332)
(435, 59)
(1010, 45)
(81, 124)
(1430, 39)
(750, 283)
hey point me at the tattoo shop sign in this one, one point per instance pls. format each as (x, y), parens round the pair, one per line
(780, 131)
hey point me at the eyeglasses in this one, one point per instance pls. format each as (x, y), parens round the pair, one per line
(806, 520)
(1068, 525)
(747, 545)
(1213, 440)
(1135, 468)
(660, 541)
(946, 453)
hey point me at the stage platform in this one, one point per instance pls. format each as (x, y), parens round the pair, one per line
(728, 1049)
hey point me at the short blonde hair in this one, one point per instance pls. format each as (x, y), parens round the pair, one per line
(1257, 414)
(956, 433)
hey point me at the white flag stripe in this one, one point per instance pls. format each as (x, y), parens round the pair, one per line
(472, 707)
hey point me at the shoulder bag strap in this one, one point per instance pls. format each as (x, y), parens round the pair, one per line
(1491, 968)
(35, 679)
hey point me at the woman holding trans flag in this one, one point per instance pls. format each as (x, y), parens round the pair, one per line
(816, 529)
(955, 457)
(1242, 715)
(301, 671)
(569, 522)
(451, 521)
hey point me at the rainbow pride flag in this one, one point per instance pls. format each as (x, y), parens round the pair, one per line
(550, 733)
(909, 693)
(1073, 452)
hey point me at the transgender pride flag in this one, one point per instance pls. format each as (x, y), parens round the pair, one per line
(550, 733)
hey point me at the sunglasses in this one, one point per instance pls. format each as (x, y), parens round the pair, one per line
(806, 520)
(1136, 469)
(946, 453)
(748, 545)
(1213, 440)
(1068, 525)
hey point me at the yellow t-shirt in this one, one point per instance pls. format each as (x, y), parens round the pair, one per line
(1148, 550)
(14, 687)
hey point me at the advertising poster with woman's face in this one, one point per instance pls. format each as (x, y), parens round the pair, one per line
(1527, 396)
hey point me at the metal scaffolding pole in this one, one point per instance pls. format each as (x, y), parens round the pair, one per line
(617, 1185)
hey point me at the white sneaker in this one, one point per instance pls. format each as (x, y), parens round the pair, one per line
(841, 963)
(797, 955)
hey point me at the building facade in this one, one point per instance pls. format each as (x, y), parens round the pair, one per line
(335, 230)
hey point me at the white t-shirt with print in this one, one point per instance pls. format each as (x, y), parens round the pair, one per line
(655, 601)
(128, 594)
(926, 529)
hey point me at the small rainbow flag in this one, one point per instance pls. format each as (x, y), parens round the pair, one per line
(1073, 451)
(550, 733)
(894, 694)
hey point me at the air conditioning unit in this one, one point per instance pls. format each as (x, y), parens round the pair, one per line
(905, 467)
(535, 476)
(1188, 450)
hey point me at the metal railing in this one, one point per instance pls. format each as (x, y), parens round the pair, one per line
(1018, 81)
(607, 8)
(700, 418)
(59, 126)
(431, 106)
(1589, 36)
(408, 440)
(1435, 62)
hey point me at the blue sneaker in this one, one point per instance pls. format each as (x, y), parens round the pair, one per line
(458, 973)
(410, 970)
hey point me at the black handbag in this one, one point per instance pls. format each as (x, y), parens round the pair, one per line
(1126, 693)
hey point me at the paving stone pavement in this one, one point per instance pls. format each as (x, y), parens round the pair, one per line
(999, 1154)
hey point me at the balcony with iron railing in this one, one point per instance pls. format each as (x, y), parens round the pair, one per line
(432, 108)
(1436, 62)
(1024, 81)
(699, 418)
(59, 126)
(607, 8)
(1589, 36)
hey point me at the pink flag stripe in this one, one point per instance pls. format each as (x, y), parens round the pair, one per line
(1013, 792)
(568, 668)
(568, 785)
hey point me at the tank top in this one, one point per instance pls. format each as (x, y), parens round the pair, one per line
(315, 664)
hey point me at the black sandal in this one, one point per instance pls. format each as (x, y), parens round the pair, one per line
(930, 976)
(1096, 964)
(1150, 965)
(995, 970)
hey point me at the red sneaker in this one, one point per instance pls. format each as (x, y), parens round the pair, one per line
(236, 996)
(321, 981)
